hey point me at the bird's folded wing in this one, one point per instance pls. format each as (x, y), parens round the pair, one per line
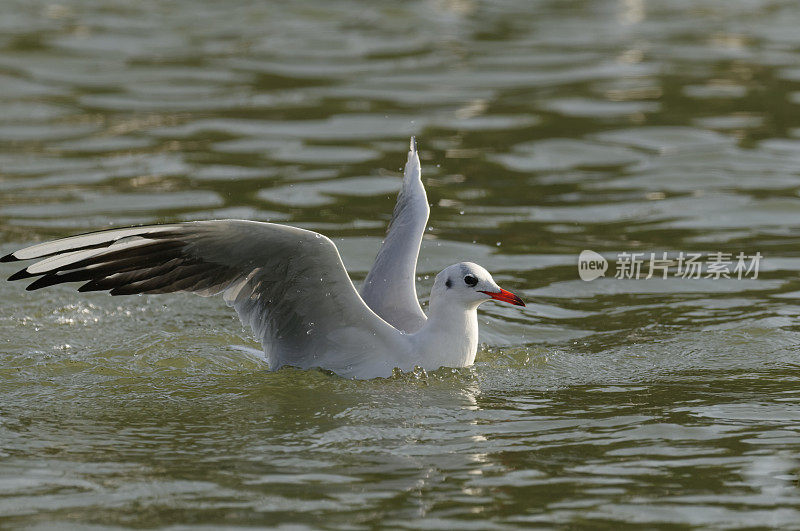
(288, 284)
(390, 286)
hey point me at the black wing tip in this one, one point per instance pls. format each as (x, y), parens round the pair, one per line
(23, 273)
(9, 258)
(41, 282)
(90, 286)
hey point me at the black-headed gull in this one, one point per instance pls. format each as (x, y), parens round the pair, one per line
(291, 287)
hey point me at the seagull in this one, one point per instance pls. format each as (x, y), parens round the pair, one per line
(291, 287)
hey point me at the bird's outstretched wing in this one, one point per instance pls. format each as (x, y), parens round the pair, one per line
(389, 288)
(288, 284)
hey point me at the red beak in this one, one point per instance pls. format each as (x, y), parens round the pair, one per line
(505, 296)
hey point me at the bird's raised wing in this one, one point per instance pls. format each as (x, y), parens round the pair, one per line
(389, 288)
(288, 284)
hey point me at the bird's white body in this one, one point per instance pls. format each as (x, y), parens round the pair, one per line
(290, 286)
(448, 339)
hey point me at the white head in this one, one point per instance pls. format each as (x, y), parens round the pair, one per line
(469, 285)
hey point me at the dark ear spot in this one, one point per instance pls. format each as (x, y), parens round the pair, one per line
(448, 284)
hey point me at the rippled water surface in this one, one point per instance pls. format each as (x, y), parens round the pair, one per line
(545, 128)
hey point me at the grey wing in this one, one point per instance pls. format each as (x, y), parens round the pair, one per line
(390, 287)
(288, 284)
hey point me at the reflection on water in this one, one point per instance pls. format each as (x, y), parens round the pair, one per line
(545, 128)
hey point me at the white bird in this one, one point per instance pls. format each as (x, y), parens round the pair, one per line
(291, 286)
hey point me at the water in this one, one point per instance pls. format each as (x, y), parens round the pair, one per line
(545, 128)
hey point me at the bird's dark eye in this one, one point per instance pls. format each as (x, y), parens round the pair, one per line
(470, 280)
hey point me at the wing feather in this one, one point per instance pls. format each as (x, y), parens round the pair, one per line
(288, 284)
(390, 286)
(83, 241)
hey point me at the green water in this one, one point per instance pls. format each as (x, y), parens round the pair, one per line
(545, 128)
